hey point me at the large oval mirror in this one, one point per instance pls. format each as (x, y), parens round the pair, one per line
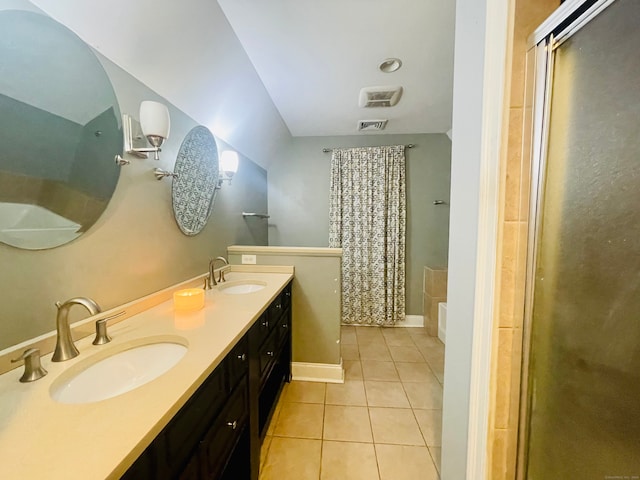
(194, 189)
(60, 129)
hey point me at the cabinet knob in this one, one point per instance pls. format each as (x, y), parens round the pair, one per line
(288, 294)
(271, 354)
(278, 305)
(265, 324)
(233, 425)
(242, 357)
(284, 325)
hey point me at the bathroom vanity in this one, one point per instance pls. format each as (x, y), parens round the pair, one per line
(218, 432)
(204, 418)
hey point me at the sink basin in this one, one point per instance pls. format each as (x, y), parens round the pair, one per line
(243, 287)
(117, 373)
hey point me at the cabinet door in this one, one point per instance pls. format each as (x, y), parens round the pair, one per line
(239, 467)
(192, 471)
(180, 438)
(144, 466)
(223, 436)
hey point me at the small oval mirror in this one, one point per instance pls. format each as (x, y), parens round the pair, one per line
(60, 130)
(193, 192)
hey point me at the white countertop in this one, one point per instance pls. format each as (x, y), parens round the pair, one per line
(40, 438)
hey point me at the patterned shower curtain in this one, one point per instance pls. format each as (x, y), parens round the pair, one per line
(367, 219)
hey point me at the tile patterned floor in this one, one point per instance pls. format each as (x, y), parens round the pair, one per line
(383, 423)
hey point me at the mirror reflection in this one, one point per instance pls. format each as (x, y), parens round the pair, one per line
(60, 129)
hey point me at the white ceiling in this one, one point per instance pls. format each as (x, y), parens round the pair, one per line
(186, 52)
(314, 56)
(250, 70)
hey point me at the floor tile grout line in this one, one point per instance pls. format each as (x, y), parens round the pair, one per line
(357, 441)
(435, 465)
(432, 370)
(324, 414)
(373, 438)
(266, 455)
(362, 379)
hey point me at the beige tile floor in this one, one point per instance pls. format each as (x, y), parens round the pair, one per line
(383, 423)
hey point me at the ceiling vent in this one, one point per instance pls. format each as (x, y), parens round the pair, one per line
(370, 125)
(379, 96)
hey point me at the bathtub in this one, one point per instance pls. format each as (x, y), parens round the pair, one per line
(34, 227)
(442, 320)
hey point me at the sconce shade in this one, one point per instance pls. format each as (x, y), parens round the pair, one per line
(154, 120)
(229, 162)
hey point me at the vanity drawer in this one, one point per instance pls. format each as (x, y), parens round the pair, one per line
(286, 297)
(238, 362)
(223, 435)
(283, 326)
(144, 466)
(268, 352)
(280, 305)
(276, 308)
(260, 330)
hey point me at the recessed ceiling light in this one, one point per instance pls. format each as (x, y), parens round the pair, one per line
(390, 65)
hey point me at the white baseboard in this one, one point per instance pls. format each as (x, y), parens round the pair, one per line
(318, 372)
(411, 321)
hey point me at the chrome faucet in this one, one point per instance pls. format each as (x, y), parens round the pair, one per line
(211, 279)
(65, 348)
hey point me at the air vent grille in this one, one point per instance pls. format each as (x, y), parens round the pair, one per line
(367, 125)
(379, 96)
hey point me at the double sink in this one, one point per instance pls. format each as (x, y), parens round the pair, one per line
(124, 368)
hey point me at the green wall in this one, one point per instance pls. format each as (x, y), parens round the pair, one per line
(316, 302)
(135, 248)
(299, 199)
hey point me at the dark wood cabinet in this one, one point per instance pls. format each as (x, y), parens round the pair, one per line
(217, 434)
(271, 338)
(223, 437)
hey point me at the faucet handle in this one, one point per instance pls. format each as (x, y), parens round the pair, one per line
(102, 337)
(32, 367)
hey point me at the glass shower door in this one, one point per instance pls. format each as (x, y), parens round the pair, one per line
(584, 362)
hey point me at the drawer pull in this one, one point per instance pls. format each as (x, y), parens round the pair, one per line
(233, 425)
(242, 357)
(270, 353)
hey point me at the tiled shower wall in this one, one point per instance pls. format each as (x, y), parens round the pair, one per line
(508, 322)
(434, 292)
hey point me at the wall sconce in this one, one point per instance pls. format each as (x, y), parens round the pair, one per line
(228, 166)
(153, 128)
(160, 174)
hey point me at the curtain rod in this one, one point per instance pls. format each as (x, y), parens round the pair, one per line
(326, 150)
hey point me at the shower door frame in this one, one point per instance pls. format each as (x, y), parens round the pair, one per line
(560, 26)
